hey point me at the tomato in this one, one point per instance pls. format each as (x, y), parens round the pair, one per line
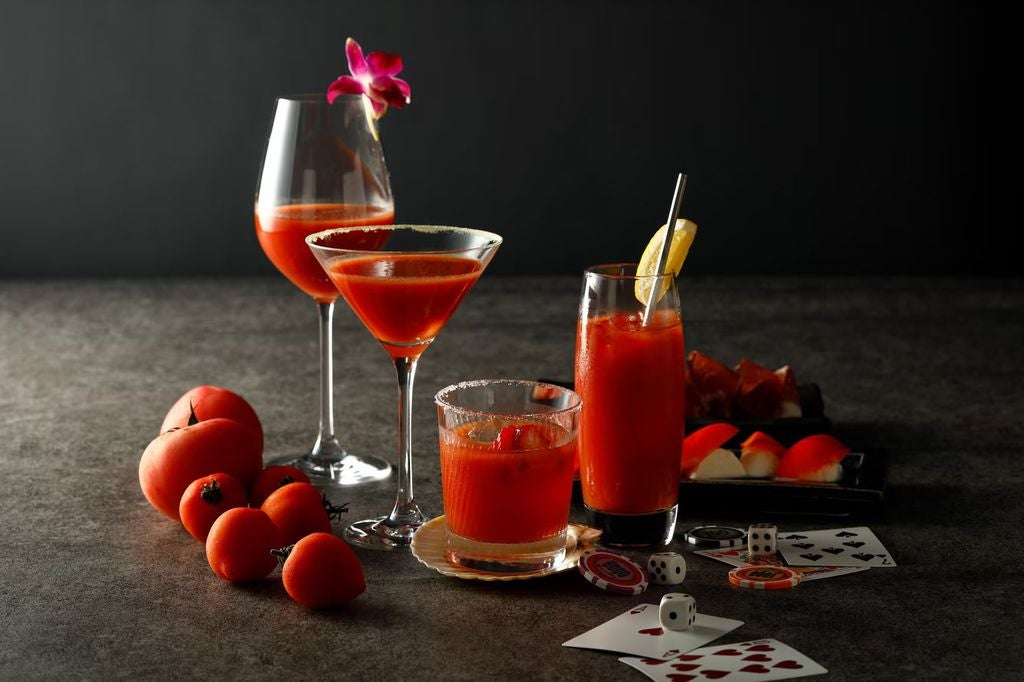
(176, 458)
(239, 544)
(322, 571)
(212, 401)
(298, 509)
(207, 498)
(272, 478)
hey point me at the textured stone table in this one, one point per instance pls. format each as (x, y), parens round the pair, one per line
(95, 584)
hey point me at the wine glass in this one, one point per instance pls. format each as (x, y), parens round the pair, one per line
(404, 290)
(323, 168)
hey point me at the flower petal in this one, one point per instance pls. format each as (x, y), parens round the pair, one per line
(356, 63)
(384, 63)
(379, 108)
(384, 89)
(344, 85)
(403, 88)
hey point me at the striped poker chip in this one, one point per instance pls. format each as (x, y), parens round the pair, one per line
(612, 572)
(706, 537)
(764, 577)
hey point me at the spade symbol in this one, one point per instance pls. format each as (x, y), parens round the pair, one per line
(803, 545)
(810, 557)
(795, 537)
(863, 557)
(833, 550)
(846, 534)
(853, 543)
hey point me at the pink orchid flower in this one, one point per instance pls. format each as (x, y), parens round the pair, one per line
(373, 76)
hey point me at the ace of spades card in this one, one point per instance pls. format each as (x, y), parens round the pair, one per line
(638, 632)
(761, 659)
(835, 547)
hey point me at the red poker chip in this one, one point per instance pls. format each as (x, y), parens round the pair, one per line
(612, 572)
(764, 577)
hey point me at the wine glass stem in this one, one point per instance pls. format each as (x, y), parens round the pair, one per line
(326, 443)
(406, 511)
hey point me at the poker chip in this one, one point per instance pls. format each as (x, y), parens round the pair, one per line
(764, 577)
(715, 536)
(612, 572)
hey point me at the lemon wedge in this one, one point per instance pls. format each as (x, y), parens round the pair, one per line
(682, 238)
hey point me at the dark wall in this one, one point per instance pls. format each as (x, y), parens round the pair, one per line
(820, 137)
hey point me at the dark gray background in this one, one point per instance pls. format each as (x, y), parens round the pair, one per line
(838, 137)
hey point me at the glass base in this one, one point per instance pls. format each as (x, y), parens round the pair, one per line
(518, 557)
(634, 530)
(381, 535)
(346, 471)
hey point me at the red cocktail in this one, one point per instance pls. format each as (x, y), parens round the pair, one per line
(631, 379)
(507, 456)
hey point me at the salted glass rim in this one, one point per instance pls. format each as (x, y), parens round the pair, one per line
(491, 239)
(442, 401)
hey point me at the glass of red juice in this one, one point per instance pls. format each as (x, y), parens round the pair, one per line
(630, 375)
(507, 453)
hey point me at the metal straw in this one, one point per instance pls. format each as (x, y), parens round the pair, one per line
(673, 213)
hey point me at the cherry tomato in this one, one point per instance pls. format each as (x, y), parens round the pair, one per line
(239, 544)
(322, 571)
(272, 478)
(211, 401)
(176, 458)
(207, 498)
(297, 510)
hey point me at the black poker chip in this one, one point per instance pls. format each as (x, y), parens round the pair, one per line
(706, 537)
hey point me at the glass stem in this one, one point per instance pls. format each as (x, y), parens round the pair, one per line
(406, 512)
(326, 445)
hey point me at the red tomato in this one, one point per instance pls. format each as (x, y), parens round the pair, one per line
(206, 499)
(212, 401)
(272, 478)
(297, 510)
(176, 458)
(238, 546)
(322, 571)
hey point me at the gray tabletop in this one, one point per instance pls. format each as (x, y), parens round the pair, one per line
(94, 583)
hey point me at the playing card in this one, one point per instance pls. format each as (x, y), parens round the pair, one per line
(836, 547)
(638, 632)
(737, 556)
(761, 659)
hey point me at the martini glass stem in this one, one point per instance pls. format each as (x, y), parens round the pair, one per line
(406, 512)
(326, 445)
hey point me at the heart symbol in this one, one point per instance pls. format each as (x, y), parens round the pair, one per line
(804, 545)
(651, 661)
(761, 647)
(639, 609)
(690, 657)
(757, 657)
(833, 550)
(714, 674)
(863, 557)
(728, 652)
(679, 677)
(795, 537)
(790, 665)
(654, 632)
(754, 668)
(846, 534)
(853, 543)
(810, 557)
(685, 666)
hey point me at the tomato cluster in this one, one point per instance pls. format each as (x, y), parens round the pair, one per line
(205, 469)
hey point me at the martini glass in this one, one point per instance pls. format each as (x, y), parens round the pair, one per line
(404, 291)
(323, 168)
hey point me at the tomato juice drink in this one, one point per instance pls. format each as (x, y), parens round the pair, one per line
(631, 378)
(506, 478)
(282, 231)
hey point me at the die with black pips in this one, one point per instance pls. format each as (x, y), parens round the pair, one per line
(666, 568)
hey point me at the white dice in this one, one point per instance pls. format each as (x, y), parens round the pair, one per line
(761, 540)
(677, 611)
(667, 568)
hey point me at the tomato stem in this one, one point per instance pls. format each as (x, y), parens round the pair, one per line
(192, 418)
(211, 492)
(333, 513)
(283, 553)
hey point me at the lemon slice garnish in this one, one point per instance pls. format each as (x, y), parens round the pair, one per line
(682, 238)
